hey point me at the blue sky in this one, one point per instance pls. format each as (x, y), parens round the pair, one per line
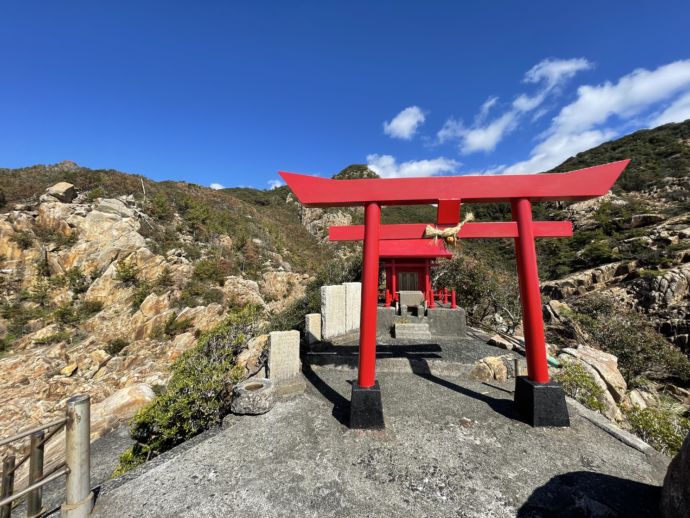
(230, 92)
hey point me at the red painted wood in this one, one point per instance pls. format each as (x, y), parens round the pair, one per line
(313, 191)
(413, 248)
(366, 374)
(530, 296)
(468, 231)
(448, 212)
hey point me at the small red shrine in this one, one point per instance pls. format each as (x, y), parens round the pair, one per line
(407, 248)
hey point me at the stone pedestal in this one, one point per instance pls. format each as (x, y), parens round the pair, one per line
(541, 404)
(366, 408)
(333, 311)
(353, 305)
(312, 328)
(284, 367)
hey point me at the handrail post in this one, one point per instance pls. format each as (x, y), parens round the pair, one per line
(79, 498)
(7, 484)
(34, 501)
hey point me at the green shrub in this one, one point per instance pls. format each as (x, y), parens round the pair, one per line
(94, 194)
(114, 347)
(127, 273)
(641, 350)
(49, 235)
(88, 308)
(76, 280)
(482, 288)
(60, 336)
(580, 385)
(164, 279)
(198, 394)
(212, 269)
(144, 289)
(171, 327)
(160, 207)
(39, 292)
(24, 239)
(65, 314)
(660, 427)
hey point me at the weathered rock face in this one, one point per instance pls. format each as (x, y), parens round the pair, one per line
(280, 289)
(239, 291)
(605, 364)
(675, 496)
(587, 280)
(62, 191)
(115, 336)
(317, 221)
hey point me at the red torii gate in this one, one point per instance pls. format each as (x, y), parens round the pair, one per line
(540, 401)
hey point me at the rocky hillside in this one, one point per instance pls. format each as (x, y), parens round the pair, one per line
(106, 278)
(634, 244)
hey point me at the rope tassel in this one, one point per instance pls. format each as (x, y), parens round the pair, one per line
(450, 234)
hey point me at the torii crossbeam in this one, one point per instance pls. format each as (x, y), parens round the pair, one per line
(539, 400)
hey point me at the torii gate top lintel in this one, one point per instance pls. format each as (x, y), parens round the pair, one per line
(583, 184)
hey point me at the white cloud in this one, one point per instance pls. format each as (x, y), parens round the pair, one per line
(556, 148)
(556, 71)
(404, 125)
(482, 136)
(274, 184)
(587, 121)
(387, 167)
(216, 186)
(631, 95)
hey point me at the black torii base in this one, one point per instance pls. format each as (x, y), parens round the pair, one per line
(541, 404)
(366, 407)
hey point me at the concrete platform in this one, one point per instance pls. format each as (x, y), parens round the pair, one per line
(451, 447)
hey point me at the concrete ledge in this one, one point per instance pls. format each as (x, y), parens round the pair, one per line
(412, 331)
(603, 423)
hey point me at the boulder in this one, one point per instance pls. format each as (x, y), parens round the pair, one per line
(610, 409)
(605, 364)
(490, 368)
(62, 191)
(250, 358)
(239, 291)
(643, 220)
(675, 495)
(113, 206)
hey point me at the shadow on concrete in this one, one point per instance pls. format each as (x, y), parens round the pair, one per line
(505, 407)
(341, 405)
(583, 494)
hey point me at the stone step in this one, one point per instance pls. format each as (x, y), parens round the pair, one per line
(412, 331)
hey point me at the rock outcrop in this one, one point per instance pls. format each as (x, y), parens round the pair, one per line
(675, 496)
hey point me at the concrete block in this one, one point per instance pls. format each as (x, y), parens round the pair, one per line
(312, 328)
(333, 314)
(385, 318)
(353, 305)
(283, 356)
(447, 322)
(412, 331)
(411, 298)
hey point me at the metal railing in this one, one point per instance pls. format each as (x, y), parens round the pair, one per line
(77, 464)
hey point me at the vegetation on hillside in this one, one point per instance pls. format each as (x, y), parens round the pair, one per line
(642, 352)
(198, 394)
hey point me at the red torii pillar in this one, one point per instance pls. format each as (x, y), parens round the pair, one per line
(366, 373)
(540, 401)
